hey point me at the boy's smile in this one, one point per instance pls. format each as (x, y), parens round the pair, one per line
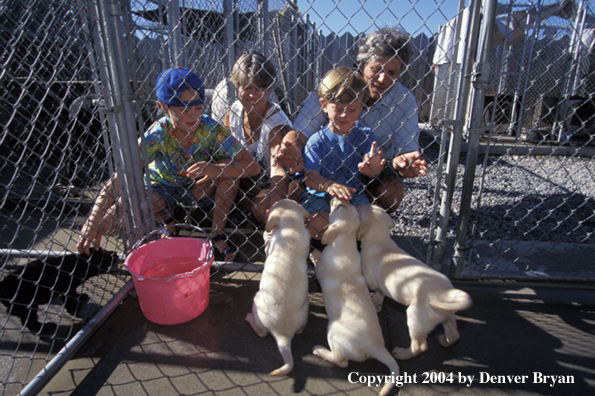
(342, 117)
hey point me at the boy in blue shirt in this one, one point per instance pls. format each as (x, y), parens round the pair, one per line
(338, 156)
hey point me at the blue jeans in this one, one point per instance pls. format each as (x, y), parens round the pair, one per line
(172, 195)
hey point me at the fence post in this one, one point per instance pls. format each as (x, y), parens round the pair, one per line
(568, 87)
(481, 75)
(230, 56)
(175, 32)
(293, 74)
(439, 243)
(263, 27)
(124, 132)
(455, 58)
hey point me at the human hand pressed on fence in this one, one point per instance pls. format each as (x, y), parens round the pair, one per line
(90, 235)
(101, 218)
(199, 171)
(288, 154)
(373, 162)
(338, 190)
(410, 164)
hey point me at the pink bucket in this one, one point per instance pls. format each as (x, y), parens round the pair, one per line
(171, 277)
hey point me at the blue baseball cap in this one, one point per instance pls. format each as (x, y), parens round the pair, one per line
(172, 82)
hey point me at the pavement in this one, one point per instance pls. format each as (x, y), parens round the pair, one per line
(515, 340)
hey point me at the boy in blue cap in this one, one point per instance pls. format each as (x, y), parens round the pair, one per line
(190, 157)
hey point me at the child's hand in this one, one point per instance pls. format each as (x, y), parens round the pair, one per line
(288, 156)
(90, 235)
(198, 171)
(339, 190)
(373, 162)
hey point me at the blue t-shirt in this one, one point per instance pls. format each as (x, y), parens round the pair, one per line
(336, 157)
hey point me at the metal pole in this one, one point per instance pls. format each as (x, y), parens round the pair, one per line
(578, 51)
(455, 56)
(98, 15)
(526, 73)
(230, 56)
(293, 74)
(126, 125)
(444, 141)
(175, 33)
(457, 136)
(263, 15)
(480, 86)
(52, 368)
(96, 72)
(307, 88)
(565, 94)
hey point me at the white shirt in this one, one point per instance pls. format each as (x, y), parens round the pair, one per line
(260, 149)
(393, 119)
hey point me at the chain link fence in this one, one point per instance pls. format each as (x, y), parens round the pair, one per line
(511, 182)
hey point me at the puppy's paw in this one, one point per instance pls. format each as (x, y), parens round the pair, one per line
(257, 329)
(377, 300)
(403, 353)
(316, 350)
(445, 342)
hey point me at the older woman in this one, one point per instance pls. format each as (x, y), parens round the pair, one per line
(391, 113)
(260, 126)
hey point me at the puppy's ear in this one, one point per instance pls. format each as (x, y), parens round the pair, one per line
(362, 229)
(305, 213)
(387, 220)
(273, 220)
(329, 235)
(364, 225)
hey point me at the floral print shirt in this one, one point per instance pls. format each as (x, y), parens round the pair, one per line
(167, 161)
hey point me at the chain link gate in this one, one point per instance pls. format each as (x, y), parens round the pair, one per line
(529, 213)
(77, 87)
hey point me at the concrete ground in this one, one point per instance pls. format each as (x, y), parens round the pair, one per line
(514, 340)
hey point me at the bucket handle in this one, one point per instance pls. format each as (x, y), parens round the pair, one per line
(196, 228)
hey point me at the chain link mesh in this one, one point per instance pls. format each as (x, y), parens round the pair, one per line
(533, 194)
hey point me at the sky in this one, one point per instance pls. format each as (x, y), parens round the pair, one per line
(361, 16)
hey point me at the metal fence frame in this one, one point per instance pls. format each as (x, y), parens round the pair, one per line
(120, 93)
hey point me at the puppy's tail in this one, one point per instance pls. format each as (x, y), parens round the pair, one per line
(451, 300)
(384, 356)
(284, 345)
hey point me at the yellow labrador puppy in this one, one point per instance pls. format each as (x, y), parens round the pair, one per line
(390, 271)
(353, 330)
(280, 307)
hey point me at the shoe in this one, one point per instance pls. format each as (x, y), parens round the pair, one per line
(220, 256)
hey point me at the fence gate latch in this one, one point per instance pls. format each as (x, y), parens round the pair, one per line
(481, 75)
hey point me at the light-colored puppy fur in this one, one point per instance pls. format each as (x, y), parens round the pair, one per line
(389, 270)
(353, 330)
(280, 306)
